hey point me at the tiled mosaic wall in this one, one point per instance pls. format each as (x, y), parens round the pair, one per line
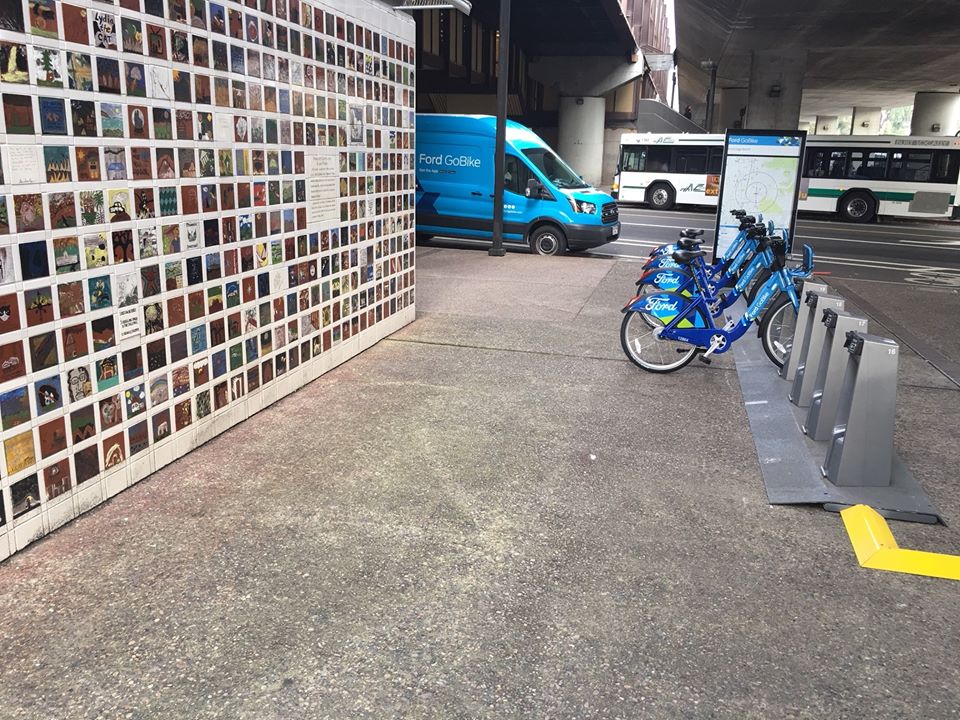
(203, 205)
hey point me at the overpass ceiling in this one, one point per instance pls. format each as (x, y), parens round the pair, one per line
(563, 27)
(860, 52)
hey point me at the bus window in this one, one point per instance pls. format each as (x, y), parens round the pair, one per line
(838, 164)
(690, 160)
(855, 168)
(876, 165)
(945, 166)
(911, 166)
(817, 161)
(658, 159)
(715, 162)
(632, 158)
(865, 164)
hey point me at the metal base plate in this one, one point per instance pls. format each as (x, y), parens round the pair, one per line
(790, 461)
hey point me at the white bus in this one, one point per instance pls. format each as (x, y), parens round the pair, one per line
(856, 176)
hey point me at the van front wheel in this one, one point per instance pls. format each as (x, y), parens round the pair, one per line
(548, 240)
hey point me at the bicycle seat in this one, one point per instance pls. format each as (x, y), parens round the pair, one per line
(690, 233)
(689, 243)
(685, 257)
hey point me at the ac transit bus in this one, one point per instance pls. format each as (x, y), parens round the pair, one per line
(856, 176)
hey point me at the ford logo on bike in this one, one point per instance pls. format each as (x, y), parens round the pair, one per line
(656, 305)
(666, 279)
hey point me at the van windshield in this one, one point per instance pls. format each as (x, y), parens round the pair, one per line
(555, 169)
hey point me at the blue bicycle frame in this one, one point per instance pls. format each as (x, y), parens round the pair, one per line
(689, 320)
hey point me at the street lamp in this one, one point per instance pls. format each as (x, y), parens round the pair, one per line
(463, 6)
(711, 67)
(499, 157)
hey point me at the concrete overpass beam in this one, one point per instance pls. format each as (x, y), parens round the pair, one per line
(585, 76)
(935, 113)
(866, 121)
(776, 88)
(827, 124)
(580, 139)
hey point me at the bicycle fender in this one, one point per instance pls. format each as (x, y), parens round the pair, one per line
(665, 306)
(664, 278)
(662, 261)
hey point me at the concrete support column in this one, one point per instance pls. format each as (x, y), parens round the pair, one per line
(866, 121)
(580, 139)
(776, 88)
(732, 101)
(935, 113)
(827, 124)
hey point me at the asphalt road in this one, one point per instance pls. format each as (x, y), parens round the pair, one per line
(888, 251)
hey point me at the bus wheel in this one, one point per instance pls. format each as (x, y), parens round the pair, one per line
(548, 240)
(660, 196)
(857, 206)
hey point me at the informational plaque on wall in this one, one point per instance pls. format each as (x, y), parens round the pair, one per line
(323, 191)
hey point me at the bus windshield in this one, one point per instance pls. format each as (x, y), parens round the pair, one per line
(555, 169)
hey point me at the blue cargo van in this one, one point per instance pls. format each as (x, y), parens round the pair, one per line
(546, 204)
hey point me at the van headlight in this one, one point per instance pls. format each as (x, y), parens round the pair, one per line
(582, 206)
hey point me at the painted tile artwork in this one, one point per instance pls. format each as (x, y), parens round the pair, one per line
(203, 206)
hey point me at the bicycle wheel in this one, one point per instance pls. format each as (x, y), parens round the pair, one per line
(646, 350)
(777, 328)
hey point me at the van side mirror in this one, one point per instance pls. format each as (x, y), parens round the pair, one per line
(534, 188)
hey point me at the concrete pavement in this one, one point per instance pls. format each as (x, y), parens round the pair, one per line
(491, 515)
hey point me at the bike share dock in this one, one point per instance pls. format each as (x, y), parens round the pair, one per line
(823, 427)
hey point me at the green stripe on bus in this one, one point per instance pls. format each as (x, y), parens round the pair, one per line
(881, 194)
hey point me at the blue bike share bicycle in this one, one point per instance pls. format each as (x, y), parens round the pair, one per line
(739, 268)
(726, 281)
(663, 331)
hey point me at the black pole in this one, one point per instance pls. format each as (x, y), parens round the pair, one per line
(499, 161)
(712, 96)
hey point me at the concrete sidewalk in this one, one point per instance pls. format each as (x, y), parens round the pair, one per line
(494, 515)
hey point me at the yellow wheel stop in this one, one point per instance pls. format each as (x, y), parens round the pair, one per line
(876, 548)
